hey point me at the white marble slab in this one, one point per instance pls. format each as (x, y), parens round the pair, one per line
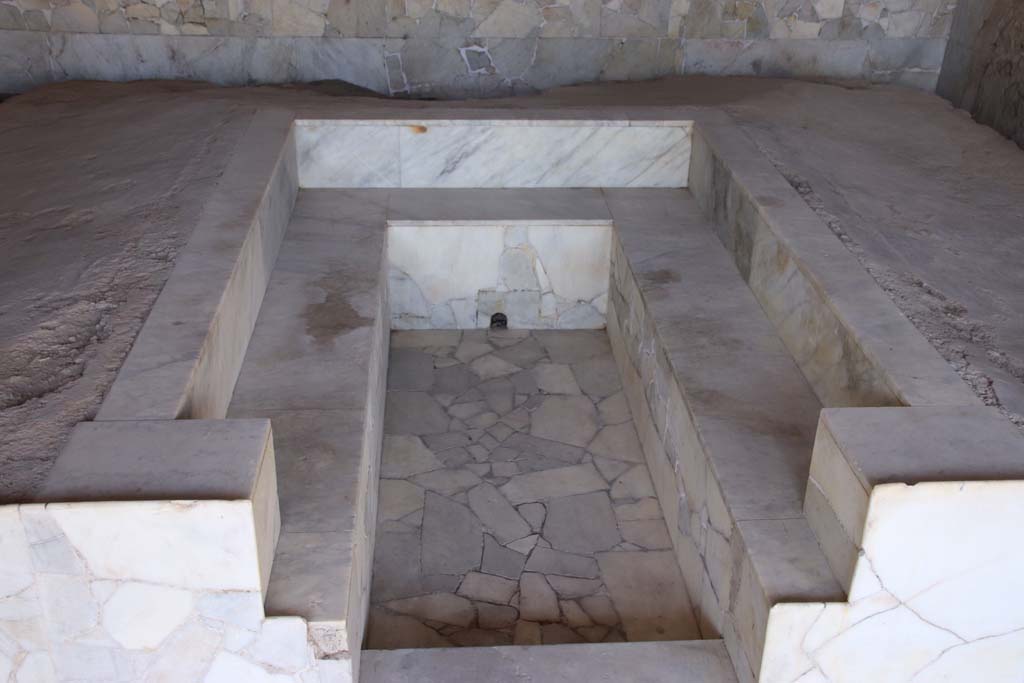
(544, 156)
(143, 591)
(936, 594)
(492, 154)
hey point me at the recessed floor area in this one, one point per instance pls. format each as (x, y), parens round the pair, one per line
(515, 506)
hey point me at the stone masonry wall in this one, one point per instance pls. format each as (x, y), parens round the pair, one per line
(458, 48)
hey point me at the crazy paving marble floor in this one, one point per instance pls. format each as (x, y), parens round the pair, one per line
(515, 505)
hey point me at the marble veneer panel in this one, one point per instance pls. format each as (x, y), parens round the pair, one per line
(725, 418)
(186, 359)
(851, 342)
(316, 366)
(493, 154)
(146, 558)
(857, 449)
(541, 275)
(935, 594)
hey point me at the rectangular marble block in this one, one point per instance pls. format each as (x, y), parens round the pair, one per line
(492, 154)
(857, 449)
(456, 276)
(176, 460)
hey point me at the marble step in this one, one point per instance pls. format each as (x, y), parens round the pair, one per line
(695, 661)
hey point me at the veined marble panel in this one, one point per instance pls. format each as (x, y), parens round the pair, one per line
(935, 594)
(143, 591)
(539, 276)
(544, 156)
(347, 156)
(498, 154)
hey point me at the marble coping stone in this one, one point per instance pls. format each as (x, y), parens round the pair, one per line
(173, 460)
(680, 661)
(858, 449)
(480, 153)
(725, 416)
(161, 460)
(186, 358)
(855, 347)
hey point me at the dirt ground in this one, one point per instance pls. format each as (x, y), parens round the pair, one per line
(101, 185)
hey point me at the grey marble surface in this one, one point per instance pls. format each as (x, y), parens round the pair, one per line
(308, 369)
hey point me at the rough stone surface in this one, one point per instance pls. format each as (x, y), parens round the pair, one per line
(490, 536)
(581, 524)
(452, 537)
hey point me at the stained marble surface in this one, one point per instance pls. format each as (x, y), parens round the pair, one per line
(316, 367)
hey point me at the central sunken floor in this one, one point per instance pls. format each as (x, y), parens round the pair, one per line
(515, 505)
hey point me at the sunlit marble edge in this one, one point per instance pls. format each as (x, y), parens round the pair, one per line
(971, 627)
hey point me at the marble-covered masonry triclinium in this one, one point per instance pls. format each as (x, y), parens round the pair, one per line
(838, 506)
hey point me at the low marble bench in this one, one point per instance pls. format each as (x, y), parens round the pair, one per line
(316, 367)
(725, 417)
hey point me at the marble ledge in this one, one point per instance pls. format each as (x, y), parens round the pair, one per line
(539, 120)
(920, 608)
